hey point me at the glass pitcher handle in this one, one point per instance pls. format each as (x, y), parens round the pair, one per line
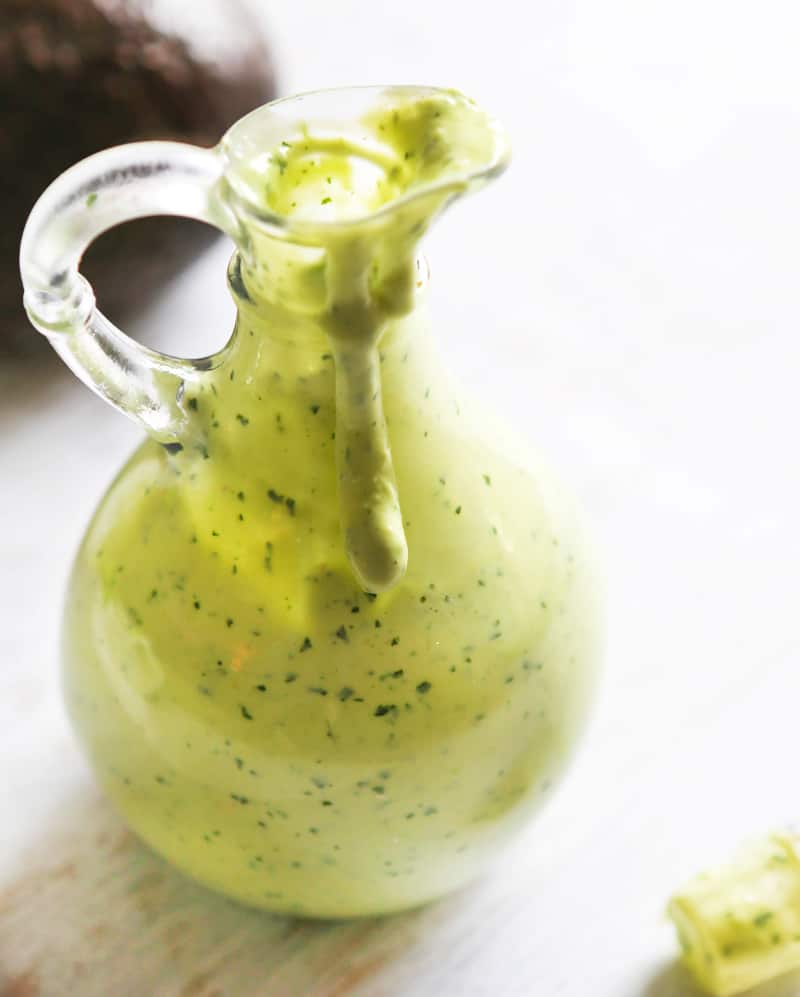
(114, 186)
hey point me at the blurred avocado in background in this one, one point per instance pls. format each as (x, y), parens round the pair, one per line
(77, 76)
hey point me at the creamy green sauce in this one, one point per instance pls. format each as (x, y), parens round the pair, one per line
(300, 694)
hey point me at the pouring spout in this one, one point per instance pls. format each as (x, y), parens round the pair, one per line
(308, 167)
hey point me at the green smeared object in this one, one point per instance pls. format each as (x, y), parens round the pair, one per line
(739, 925)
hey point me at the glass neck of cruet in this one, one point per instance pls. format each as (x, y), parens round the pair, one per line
(334, 215)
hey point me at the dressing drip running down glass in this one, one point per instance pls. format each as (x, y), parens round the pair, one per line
(331, 634)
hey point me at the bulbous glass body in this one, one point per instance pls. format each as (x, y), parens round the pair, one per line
(261, 721)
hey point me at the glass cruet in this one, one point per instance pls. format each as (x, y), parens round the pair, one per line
(331, 634)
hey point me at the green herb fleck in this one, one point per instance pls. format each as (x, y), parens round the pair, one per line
(90, 200)
(282, 500)
(423, 687)
(246, 713)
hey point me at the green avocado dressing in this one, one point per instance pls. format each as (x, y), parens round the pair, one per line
(331, 653)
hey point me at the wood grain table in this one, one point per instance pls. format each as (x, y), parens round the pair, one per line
(635, 275)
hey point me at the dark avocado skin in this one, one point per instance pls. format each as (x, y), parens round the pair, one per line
(77, 77)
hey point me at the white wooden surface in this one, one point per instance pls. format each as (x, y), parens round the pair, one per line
(636, 273)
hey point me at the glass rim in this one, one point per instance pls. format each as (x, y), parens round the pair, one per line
(312, 232)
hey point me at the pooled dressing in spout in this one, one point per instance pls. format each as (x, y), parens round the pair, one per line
(359, 205)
